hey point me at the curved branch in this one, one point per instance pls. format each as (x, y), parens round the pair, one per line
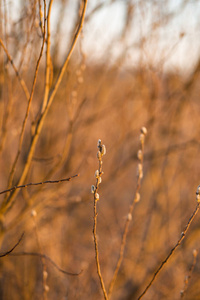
(13, 248)
(49, 259)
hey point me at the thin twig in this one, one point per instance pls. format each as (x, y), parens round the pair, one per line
(13, 248)
(97, 252)
(38, 183)
(48, 59)
(171, 251)
(94, 190)
(47, 258)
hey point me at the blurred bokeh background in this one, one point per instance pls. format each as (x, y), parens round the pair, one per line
(136, 63)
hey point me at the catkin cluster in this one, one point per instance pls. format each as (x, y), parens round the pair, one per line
(98, 173)
(140, 162)
(198, 194)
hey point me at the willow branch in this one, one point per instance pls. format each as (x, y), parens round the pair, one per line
(171, 251)
(94, 189)
(28, 108)
(40, 123)
(13, 248)
(97, 252)
(48, 59)
(38, 183)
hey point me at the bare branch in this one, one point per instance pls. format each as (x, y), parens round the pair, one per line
(171, 251)
(49, 259)
(94, 190)
(28, 107)
(6, 205)
(13, 248)
(38, 183)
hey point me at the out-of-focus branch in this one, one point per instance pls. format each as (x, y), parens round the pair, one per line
(47, 258)
(48, 59)
(62, 70)
(21, 81)
(28, 108)
(40, 123)
(136, 199)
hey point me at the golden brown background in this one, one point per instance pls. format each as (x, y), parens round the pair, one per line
(111, 98)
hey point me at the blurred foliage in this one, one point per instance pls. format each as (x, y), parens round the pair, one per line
(109, 98)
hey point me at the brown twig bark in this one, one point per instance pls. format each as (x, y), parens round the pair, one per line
(13, 248)
(38, 183)
(94, 190)
(171, 251)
